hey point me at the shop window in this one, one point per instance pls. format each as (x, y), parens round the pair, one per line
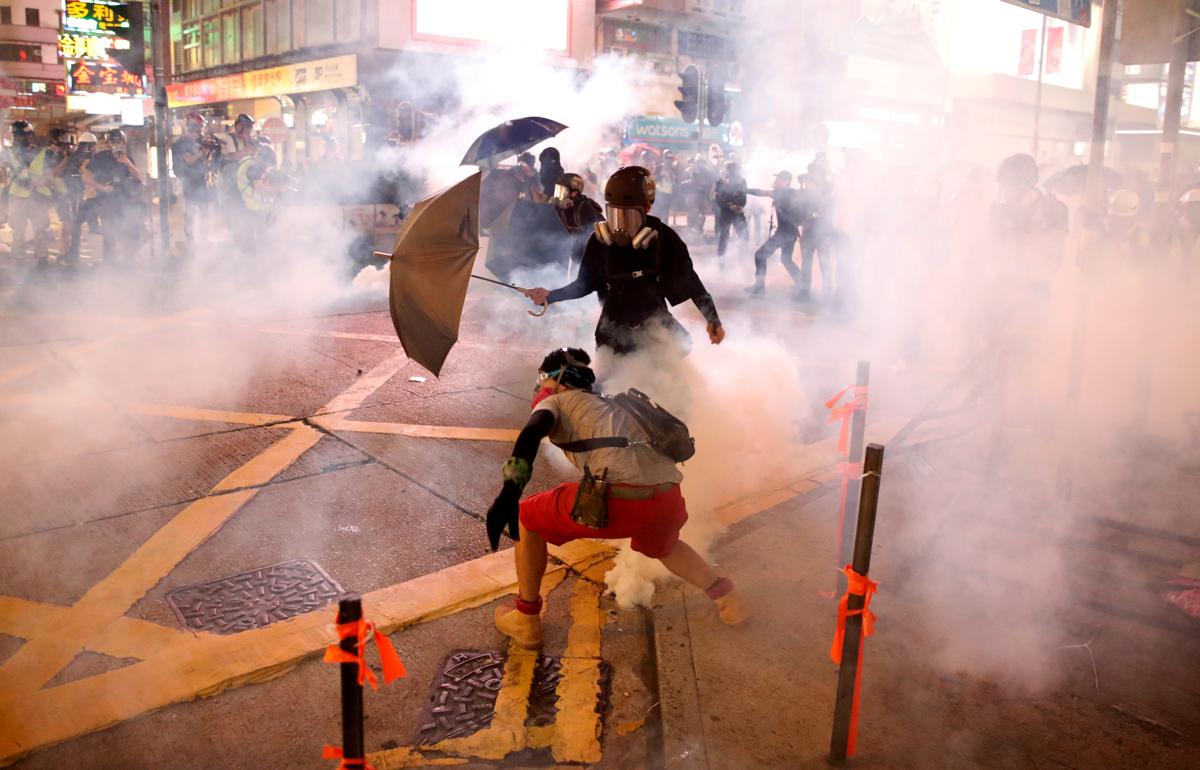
(318, 22)
(5, 14)
(348, 20)
(21, 53)
(33, 17)
(191, 47)
(212, 42)
(279, 26)
(231, 37)
(252, 32)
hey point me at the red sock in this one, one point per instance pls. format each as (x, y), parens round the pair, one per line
(720, 588)
(529, 608)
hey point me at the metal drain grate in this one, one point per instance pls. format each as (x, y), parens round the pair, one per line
(254, 599)
(463, 698)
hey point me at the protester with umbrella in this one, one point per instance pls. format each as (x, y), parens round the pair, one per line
(637, 265)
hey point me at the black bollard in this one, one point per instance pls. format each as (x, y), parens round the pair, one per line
(847, 684)
(350, 611)
(858, 429)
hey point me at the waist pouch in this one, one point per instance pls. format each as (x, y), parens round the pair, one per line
(591, 502)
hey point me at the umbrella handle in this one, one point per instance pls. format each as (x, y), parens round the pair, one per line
(539, 313)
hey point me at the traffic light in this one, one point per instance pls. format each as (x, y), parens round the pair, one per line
(133, 58)
(715, 99)
(689, 90)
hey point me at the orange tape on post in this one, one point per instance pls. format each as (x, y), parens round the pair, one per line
(335, 752)
(365, 631)
(858, 585)
(845, 412)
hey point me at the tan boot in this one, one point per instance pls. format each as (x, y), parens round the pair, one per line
(732, 610)
(525, 630)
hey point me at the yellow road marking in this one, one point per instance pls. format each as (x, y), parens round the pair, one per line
(125, 637)
(210, 664)
(208, 415)
(576, 735)
(335, 423)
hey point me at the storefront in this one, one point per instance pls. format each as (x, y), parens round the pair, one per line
(295, 103)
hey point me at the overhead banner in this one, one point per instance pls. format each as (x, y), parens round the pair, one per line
(306, 77)
(1075, 11)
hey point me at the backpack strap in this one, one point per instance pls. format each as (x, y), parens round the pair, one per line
(592, 444)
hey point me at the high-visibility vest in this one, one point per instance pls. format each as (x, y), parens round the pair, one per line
(23, 181)
(254, 200)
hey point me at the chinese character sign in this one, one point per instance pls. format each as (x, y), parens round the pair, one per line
(91, 32)
(102, 18)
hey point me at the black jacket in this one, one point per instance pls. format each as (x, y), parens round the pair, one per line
(729, 198)
(636, 284)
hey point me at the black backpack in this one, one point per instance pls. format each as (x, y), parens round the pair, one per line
(667, 433)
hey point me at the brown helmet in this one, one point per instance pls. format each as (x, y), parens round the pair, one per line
(630, 187)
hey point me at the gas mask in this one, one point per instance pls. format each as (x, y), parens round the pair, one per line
(625, 226)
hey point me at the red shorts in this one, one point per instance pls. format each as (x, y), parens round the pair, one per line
(652, 525)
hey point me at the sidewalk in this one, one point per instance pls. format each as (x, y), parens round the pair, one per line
(762, 695)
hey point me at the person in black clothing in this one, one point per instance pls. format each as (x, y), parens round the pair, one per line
(637, 265)
(118, 201)
(790, 214)
(81, 211)
(550, 169)
(729, 203)
(818, 236)
(576, 211)
(194, 157)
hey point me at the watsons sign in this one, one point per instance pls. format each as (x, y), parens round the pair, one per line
(672, 131)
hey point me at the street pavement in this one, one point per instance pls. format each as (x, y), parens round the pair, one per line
(159, 441)
(157, 447)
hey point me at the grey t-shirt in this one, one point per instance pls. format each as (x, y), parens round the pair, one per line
(579, 415)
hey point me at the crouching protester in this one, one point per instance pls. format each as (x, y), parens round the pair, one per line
(627, 448)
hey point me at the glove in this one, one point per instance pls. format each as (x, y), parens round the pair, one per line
(505, 510)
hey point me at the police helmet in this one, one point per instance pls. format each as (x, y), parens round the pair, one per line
(60, 136)
(194, 118)
(630, 187)
(20, 127)
(115, 136)
(243, 120)
(1123, 203)
(87, 137)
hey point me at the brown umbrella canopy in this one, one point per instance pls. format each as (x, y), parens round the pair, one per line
(431, 266)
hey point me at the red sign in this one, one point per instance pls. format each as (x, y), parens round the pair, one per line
(103, 77)
(1028, 58)
(275, 130)
(8, 93)
(1054, 50)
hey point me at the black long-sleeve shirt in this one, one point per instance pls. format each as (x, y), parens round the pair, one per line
(635, 284)
(730, 194)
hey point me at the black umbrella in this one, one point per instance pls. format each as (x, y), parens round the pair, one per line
(1073, 180)
(508, 139)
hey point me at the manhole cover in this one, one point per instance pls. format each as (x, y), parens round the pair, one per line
(254, 599)
(463, 698)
